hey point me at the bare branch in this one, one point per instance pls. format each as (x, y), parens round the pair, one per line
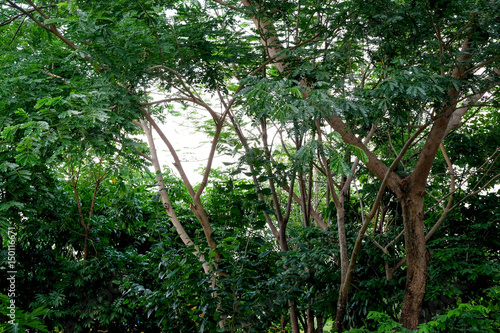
(28, 13)
(177, 161)
(446, 209)
(481, 65)
(17, 31)
(374, 164)
(51, 29)
(244, 142)
(211, 155)
(195, 98)
(38, 9)
(290, 197)
(349, 179)
(492, 158)
(166, 200)
(173, 99)
(99, 179)
(13, 18)
(485, 186)
(57, 77)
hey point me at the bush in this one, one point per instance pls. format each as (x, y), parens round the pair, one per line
(466, 318)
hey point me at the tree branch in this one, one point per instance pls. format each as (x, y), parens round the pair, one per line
(13, 18)
(244, 142)
(53, 29)
(211, 155)
(97, 183)
(481, 65)
(137, 150)
(447, 209)
(38, 9)
(177, 161)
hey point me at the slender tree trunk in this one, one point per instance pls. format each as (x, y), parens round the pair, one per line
(293, 317)
(291, 307)
(344, 256)
(344, 263)
(341, 310)
(86, 244)
(319, 322)
(418, 258)
(167, 205)
(310, 319)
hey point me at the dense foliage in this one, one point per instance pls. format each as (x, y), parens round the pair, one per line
(363, 192)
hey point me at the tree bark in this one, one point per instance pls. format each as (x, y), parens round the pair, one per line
(341, 310)
(310, 319)
(344, 257)
(291, 307)
(319, 322)
(418, 259)
(344, 264)
(166, 200)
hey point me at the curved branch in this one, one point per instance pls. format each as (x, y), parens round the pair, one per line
(493, 158)
(173, 99)
(447, 209)
(28, 13)
(208, 168)
(166, 200)
(45, 16)
(349, 179)
(51, 29)
(12, 19)
(195, 98)
(374, 164)
(177, 161)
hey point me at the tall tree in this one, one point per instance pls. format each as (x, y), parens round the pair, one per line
(450, 46)
(352, 89)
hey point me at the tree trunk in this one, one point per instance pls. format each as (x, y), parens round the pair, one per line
(417, 258)
(291, 307)
(341, 310)
(167, 205)
(319, 322)
(293, 318)
(344, 256)
(344, 263)
(310, 320)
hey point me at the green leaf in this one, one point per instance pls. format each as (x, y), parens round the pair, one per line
(360, 153)
(9, 204)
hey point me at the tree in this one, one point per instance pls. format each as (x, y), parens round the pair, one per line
(354, 105)
(462, 69)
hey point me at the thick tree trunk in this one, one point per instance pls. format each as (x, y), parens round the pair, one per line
(417, 257)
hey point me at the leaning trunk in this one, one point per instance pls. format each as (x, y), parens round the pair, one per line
(417, 258)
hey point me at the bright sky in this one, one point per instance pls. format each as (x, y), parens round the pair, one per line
(192, 146)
